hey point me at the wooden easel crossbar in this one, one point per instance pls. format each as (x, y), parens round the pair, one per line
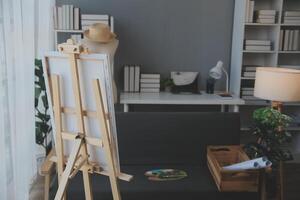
(79, 158)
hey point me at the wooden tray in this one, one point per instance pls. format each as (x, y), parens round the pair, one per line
(231, 181)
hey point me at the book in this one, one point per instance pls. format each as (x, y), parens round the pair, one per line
(76, 19)
(265, 17)
(250, 98)
(265, 21)
(71, 10)
(247, 89)
(291, 13)
(290, 21)
(95, 17)
(251, 10)
(137, 79)
(248, 92)
(281, 40)
(60, 17)
(247, 11)
(55, 16)
(291, 40)
(131, 79)
(286, 40)
(266, 12)
(63, 17)
(91, 22)
(150, 90)
(145, 80)
(126, 79)
(249, 74)
(258, 42)
(257, 48)
(67, 17)
(150, 85)
(292, 18)
(296, 40)
(151, 76)
(250, 68)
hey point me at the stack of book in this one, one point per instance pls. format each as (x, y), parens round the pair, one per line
(247, 93)
(249, 71)
(66, 17)
(150, 83)
(265, 16)
(132, 78)
(249, 11)
(257, 45)
(289, 40)
(291, 17)
(88, 20)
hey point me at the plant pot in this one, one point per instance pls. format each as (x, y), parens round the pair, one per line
(168, 89)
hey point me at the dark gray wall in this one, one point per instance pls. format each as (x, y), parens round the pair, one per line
(166, 35)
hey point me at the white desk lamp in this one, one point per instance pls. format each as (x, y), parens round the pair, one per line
(277, 85)
(217, 72)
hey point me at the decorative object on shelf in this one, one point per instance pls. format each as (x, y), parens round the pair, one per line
(43, 126)
(210, 85)
(167, 84)
(185, 82)
(217, 72)
(99, 33)
(165, 175)
(278, 85)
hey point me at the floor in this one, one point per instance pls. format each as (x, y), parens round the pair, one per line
(37, 190)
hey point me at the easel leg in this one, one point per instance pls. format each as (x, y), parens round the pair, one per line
(101, 115)
(65, 176)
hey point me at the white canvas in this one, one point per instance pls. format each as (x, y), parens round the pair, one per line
(90, 67)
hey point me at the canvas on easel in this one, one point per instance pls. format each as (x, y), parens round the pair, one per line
(79, 88)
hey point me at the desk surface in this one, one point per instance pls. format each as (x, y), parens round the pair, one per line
(179, 99)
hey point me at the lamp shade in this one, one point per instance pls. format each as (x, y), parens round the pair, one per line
(277, 84)
(216, 72)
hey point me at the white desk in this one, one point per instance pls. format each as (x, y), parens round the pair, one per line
(165, 98)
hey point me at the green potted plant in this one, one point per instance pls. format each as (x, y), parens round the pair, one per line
(167, 84)
(42, 125)
(270, 131)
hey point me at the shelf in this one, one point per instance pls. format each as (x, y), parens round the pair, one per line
(260, 24)
(289, 52)
(68, 31)
(246, 51)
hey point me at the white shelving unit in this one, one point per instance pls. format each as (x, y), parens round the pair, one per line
(61, 31)
(258, 31)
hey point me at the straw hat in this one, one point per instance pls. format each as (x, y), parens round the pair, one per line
(99, 33)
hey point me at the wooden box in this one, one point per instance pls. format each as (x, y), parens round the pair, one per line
(231, 181)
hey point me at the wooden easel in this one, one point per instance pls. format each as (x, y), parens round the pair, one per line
(79, 156)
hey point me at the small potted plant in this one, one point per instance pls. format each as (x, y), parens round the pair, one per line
(270, 132)
(167, 84)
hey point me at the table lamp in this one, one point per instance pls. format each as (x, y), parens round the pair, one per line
(217, 72)
(277, 85)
